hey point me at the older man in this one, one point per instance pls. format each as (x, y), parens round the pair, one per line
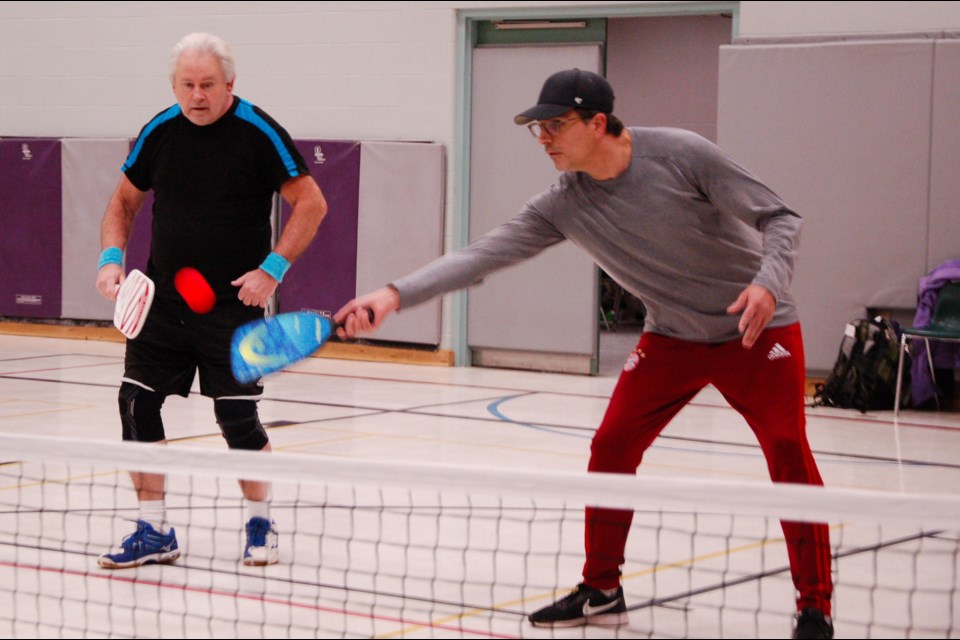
(214, 162)
(710, 251)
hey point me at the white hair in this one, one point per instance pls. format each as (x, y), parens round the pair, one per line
(204, 43)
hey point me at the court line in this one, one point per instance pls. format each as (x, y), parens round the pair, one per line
(565, 428)
(866, 419)
(734, 444)
(61, 355)
(15, 374)
(653, 602)
(494, 409)
(552, 427)
(659, 568)
(725, 584)
(210, 591)
(499, 416)
(442, 623)
(859, 418)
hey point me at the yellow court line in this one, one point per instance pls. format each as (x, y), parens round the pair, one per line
(313, 443)
(59, 407)
(63, 481)
(85, 476)
(38, 413)
(554, 594)
(36, 400)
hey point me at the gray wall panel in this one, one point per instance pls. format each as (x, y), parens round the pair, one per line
(400, 227)
(944, 236)
(841, 131)
(547, 304)
(91, 170)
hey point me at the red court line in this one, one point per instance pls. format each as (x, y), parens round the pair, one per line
(246, 596)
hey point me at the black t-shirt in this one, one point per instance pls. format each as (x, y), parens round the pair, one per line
(213, 188)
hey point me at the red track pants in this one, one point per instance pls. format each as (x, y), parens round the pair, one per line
(765, 384)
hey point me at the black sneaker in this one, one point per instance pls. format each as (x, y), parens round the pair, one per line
(812, 624)
(583, 606)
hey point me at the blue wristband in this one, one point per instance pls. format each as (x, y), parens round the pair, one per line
(275, 265)
(110, 255)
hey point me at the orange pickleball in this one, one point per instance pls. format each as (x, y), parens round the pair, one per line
(195, 289)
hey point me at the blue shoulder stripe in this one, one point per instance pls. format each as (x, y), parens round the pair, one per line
(170, 113)
(245, 112)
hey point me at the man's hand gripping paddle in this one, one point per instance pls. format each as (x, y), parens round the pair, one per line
(271, 344)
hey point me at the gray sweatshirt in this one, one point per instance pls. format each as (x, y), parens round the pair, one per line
(684, 228)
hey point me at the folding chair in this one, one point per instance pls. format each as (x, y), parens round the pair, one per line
(944, 326)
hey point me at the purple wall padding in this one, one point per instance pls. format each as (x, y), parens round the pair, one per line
(138, 246)
(325, 276)
(30, 220)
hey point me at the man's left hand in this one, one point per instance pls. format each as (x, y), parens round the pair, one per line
(757, 304)
(256, 287)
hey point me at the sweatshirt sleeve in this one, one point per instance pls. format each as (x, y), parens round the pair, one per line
(521, 238)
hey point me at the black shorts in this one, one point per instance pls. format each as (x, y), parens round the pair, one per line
(176, 342)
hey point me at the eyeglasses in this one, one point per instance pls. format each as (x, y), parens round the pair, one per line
(552, 127)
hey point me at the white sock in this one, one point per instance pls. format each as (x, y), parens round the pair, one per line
(155, 513)
(609, 592)
(258, 509)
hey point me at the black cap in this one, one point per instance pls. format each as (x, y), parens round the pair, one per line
(571, 89)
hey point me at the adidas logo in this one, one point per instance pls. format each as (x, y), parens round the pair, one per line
(778, 352)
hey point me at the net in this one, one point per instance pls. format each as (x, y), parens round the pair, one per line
(387, 549)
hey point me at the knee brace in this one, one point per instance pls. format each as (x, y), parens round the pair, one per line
(240, 424)
(140, 413)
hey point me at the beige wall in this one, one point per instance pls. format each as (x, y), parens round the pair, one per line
(369, 70)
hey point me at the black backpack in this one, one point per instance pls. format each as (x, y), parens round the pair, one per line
(864, 376)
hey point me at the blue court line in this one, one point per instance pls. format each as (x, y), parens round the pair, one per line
(494, 409)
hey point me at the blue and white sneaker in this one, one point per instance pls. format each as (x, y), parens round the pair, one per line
(262, 538)
(146, 545)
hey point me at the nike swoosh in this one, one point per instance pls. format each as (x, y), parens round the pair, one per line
(250, 354)
(592, 611)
